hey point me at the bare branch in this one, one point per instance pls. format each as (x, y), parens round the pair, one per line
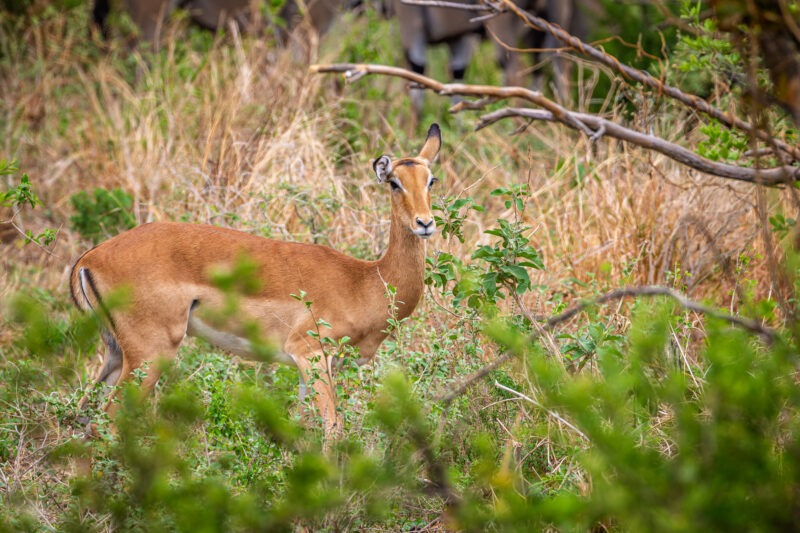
(640, 76)
(771, 176)
(767, 334)
(356, 71)
(591, 125)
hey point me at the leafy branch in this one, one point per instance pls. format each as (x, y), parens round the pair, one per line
(17, 198)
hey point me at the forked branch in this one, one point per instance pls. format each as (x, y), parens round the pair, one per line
(627, 72)
(591, 125)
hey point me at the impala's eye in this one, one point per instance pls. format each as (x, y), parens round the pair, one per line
(432, 181)
(395, 185)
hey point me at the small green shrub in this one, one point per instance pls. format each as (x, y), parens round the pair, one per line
(20, 196)
(102, 214)
(500, 269)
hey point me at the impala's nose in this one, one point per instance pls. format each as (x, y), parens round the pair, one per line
(425, 228)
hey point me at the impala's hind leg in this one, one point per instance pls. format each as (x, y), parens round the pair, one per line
(127, 349)
(143, 349)
(112, 366)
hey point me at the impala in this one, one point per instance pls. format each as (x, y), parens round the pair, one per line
(165, 268)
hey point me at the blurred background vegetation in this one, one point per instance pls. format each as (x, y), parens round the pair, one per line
(634, 415)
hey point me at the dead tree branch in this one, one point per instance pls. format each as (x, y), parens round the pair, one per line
(591, 125)
(767, 334)
(639, 76)
(354, 71)
(771, 176)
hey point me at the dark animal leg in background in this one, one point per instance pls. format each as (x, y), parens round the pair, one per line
(100, 16)
(417, 95)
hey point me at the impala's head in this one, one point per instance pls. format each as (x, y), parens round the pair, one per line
(411, 181)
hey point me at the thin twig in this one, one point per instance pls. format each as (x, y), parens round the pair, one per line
(30, 239)
(540, 406)
(451, 5)
(446, 399)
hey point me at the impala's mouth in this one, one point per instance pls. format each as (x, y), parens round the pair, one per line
(424, 233)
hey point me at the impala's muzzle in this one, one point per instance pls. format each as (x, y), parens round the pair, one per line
(425, 227)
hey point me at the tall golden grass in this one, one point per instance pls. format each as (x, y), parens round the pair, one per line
(237, 133)
(242, 135)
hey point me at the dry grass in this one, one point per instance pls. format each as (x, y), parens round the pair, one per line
(243, 136)
(237, 135)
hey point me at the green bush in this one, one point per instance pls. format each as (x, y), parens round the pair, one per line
(102, 214)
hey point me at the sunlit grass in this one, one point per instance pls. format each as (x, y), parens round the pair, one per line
(233, 131)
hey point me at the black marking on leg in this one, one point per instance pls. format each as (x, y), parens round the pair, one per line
(111, 343)
(100, 15)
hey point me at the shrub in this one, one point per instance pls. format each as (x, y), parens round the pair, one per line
(103, 214)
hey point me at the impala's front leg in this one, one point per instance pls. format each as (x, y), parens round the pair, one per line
(315, 371)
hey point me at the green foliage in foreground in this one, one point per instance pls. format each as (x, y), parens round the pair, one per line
(608, 431)
(654, 444)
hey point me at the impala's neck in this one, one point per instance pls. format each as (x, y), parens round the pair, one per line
(403, 266)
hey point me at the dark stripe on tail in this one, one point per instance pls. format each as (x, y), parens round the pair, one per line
(73, 276)
(72, 287)
(100, 303)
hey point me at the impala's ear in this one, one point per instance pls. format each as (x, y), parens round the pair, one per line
(383, 168)
(432, 144)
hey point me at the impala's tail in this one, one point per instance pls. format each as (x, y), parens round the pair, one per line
(79, 283)
(84, 292)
